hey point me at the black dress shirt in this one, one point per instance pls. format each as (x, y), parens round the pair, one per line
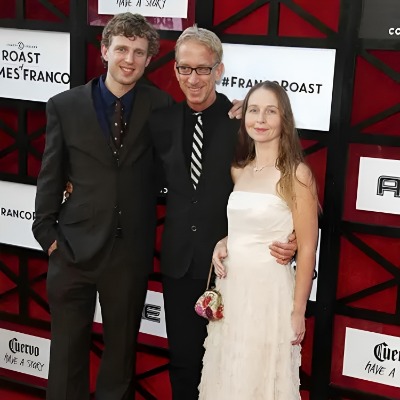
(208, 117)
(104, 104)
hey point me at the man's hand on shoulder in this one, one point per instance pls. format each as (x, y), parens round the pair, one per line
(236, 110)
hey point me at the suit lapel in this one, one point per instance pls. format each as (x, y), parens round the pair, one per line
(94, 135)
(178, 130)
(136, 138)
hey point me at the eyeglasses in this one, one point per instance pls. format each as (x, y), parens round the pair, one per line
(184, 70)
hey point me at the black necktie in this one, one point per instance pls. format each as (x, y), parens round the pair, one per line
(195, 158)
(118, 126)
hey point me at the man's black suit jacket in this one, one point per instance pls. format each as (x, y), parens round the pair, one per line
(195, 219)
(77, 151)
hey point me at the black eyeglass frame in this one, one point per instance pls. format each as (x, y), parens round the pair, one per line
(209, 69)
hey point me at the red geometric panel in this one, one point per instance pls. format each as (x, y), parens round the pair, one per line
(8, 117)
(9, 301)
(388, 126)
(291, 24)
(8, 132)
(164, 76)
(338, 352)
(357, 272)
(327, 11)
(384, 301)
(36, 310)
(350, 213)
(387, 246)
(36, 126)
(94, 65)
(7, 9)
(389, 57)
(158, 385)
(304, 395)
(9, 163)
(374, 91)
(255, 23)
(37, 267)
(46, 10)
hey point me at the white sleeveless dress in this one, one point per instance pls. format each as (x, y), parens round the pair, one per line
(249, 355)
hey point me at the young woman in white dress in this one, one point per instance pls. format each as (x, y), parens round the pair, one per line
(253, 353)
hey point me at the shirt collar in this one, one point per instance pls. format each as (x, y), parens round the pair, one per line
(109, 98)
(214, 107)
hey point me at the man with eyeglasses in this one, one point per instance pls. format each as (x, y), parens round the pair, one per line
(196, 154)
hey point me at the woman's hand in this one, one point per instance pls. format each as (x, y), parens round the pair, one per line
(298, 326)
(220, 252)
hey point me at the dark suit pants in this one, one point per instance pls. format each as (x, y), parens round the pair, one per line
(186, 333)
(72, 294)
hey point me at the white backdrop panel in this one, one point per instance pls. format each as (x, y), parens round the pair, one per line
(306, 74)
(153, 317)
(379, 185)
(17, 212)
(372, 356)
(34, 65)
(148, 8)
(24, 353)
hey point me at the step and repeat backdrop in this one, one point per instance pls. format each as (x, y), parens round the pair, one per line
(340, 65)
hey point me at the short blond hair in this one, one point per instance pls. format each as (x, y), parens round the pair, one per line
(203, 36)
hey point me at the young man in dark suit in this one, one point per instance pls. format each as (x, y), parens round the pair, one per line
(195, 140)
(100, 239)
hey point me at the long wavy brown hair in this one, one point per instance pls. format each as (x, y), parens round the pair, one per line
(290, 153)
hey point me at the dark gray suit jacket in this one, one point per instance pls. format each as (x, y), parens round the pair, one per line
(77, 151)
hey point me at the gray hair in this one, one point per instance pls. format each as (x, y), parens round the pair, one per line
(203, 36)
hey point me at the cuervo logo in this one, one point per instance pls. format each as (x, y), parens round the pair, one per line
(384, 353)
(17, 347)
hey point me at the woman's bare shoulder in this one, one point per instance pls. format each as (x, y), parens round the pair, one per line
(236, 172)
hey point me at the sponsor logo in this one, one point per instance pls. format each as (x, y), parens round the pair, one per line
(17, 347)
(388, 184)
(21, 62)
(394, 31)
(378, 187)
(294, 87)
(21, 214)
(383, 352)
(151, 312)
(145, 3)
(372, 356)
